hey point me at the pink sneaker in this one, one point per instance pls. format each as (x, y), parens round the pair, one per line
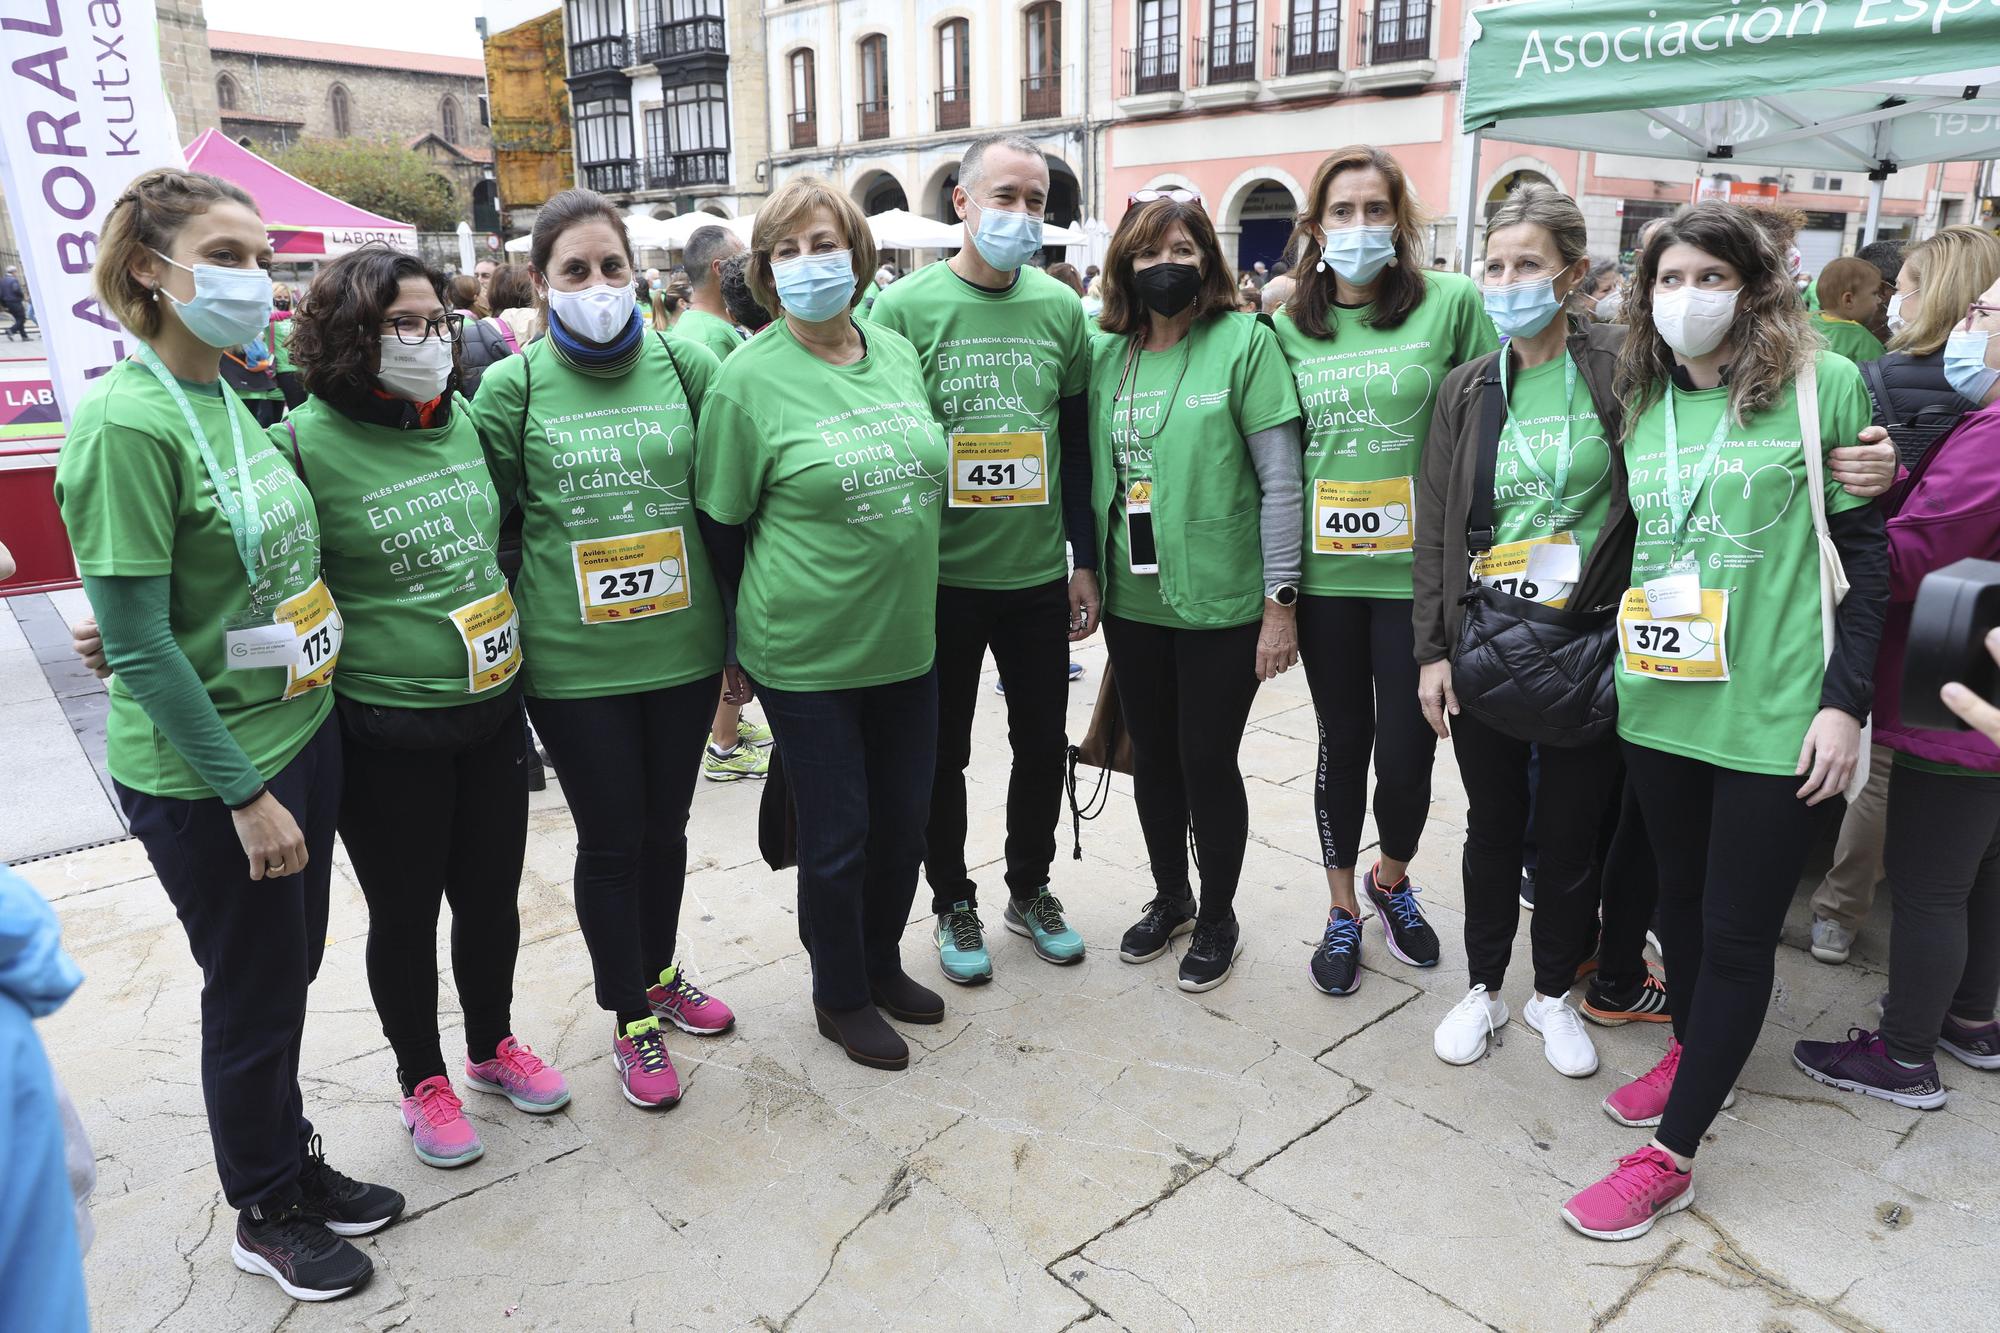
(1624, 1205)
(677, 1000)
(518, 1074)
(1643, 1101)
(438, 1128)
(645, 1071)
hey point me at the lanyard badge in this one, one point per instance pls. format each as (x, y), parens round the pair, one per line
(246, 525)
(1558, 485)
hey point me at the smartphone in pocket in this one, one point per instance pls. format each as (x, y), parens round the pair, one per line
(1139, 529)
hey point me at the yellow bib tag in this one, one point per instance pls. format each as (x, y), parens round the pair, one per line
(1010, 468)
(1505, 569)
(1679, 647)
(316, 621)
(492, 632)
(631, 577)
(1363, 517)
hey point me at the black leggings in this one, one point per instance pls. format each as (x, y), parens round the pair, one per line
(1361, 665)
(1186, 695)
(1731, 847)
(628, 764)
(1942, 855)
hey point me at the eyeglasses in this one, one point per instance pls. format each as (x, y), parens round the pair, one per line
(1975, 310)
(1151, 196)
(413, 329)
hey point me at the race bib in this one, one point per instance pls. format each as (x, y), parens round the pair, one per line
(1363, 517)
(491, 629)
(999, 469)
(1687, 647)
(1532, 570)
(631, 577)
(316, 634)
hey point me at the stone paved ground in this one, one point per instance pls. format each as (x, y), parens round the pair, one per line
(1074, 1148)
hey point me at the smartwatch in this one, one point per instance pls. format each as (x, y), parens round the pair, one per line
(1284, 594)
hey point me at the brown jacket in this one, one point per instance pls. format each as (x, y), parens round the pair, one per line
(1444, 492)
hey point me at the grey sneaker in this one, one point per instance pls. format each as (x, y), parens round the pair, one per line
(1831, 941)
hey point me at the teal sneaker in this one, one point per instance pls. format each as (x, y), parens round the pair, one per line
(961, 946)
(1042, 921)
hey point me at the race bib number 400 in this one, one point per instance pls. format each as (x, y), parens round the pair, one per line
(491, 629)
(1687, 647)
(1000, 469)
(1363, 517)
(631, 577)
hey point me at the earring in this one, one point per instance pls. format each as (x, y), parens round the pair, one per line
(1393, 261)
(1320, 267)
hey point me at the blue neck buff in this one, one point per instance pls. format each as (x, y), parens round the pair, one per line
(606, 361)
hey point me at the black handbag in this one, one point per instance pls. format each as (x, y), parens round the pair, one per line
(1536, 673)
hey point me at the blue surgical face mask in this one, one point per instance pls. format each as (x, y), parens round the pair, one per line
(1359, 254)
(230, 305)
(1965, 364)
(815, 288)
(1006, 240)
(1523, 309)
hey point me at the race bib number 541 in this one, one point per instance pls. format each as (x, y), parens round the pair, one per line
(631, 577)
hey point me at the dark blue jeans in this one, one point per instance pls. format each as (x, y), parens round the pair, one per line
(860, 764)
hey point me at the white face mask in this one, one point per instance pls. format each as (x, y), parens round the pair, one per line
(596, 314)
(1895, 317)
(417, 372)
(1693, 322)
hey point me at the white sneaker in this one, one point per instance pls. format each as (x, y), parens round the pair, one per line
(1831, 941)
(1564, 1040)
(1461, 1037)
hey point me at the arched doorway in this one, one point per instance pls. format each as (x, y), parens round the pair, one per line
(1265, 224)
(486, 205)
(1507, 183)
(878, 192)
(1065, 206)
(937, 195)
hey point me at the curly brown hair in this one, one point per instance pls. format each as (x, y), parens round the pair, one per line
(1140, 230)
(336, 327)
(1401, 288)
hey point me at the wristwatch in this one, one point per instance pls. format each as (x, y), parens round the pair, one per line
(1284, 594)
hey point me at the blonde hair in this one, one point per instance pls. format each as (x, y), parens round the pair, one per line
(1951, 269)
(1554, 212)
(144, 220)
(785, 212)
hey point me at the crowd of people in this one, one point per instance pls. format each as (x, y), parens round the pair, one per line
(1627, 544)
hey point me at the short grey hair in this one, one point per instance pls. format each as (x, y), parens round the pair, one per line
(707, 245)
(1550, 209)
(973, 165)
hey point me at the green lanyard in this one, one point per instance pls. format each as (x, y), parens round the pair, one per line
(1558, 485)
(1680, 505)
(246, 525)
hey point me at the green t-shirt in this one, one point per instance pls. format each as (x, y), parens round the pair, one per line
(1200, 399)
(995, 362)
(412, 528)
(1851, 340)
(1525, 507)
(1368, 395)
(838, 472)
(138, 502)
(615, 592)
(717, 335)
(1750, 532)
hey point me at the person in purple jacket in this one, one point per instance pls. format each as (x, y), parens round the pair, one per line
(1943, 849)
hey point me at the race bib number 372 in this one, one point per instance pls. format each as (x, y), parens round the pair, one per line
(1683, 648)
(631, 577)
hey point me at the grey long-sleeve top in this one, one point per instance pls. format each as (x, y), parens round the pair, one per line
(1276, 453)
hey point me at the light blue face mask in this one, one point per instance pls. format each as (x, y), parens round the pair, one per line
(1965, 364)
(230, 306)
(1523, 309)
(1007, 240)
(1358, 254)
(815, 288)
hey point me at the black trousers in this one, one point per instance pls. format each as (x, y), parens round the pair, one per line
(1731, 847)
(258, 944)
(1027, 629)
(628, 764)
(1631, 890)
(425, 824)
(1942, 855)
(859, 762)
(1361, 665)
(19, 313)
(1575, 788)
(1186, 696)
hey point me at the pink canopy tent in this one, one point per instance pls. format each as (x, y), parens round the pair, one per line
(305, 223)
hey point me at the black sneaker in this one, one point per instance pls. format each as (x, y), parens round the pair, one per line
(1336, 963)
(1410, 937)
(1644, 1002)
(1165, 918)
(1210, 955)
(350, 1207)
(293, 1247)
(1528, 889)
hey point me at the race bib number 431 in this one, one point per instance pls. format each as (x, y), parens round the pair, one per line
(1689, 648)
(631, 577)
(1363, 517)
(999, 469)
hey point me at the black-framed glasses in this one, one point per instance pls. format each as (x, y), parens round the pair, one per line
(413, 329)
(1179, 196)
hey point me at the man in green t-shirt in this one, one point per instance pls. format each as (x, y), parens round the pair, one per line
(1005, 357)
(706, 319)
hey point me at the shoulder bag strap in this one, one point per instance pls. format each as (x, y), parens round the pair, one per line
(1479, 516)
(694, 413)
(298, 459)
(1832, 576)
(1878, 388)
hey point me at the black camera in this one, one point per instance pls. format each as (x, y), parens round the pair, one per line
(1956, 607)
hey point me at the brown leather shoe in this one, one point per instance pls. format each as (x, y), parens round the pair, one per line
(905, 1001)
(865, 1036)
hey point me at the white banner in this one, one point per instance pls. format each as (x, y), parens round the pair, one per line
(82, 112)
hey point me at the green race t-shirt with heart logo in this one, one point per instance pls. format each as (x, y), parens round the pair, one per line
(1368, 395)
(996, 364)
(717, 335)
(616, 594)
(838, 473)
(1750, 532)
(138, 502)
(1539, 420)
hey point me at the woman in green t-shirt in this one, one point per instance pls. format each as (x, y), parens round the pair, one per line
(1194, 441)
(1736, 724)
(434, 802)
(822, 463)
(1369, 334)
(591, 430)
(199, 550)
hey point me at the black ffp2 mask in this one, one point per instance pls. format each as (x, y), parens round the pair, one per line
(1168, 289)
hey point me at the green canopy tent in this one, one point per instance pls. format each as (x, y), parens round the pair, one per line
(1839, 84)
